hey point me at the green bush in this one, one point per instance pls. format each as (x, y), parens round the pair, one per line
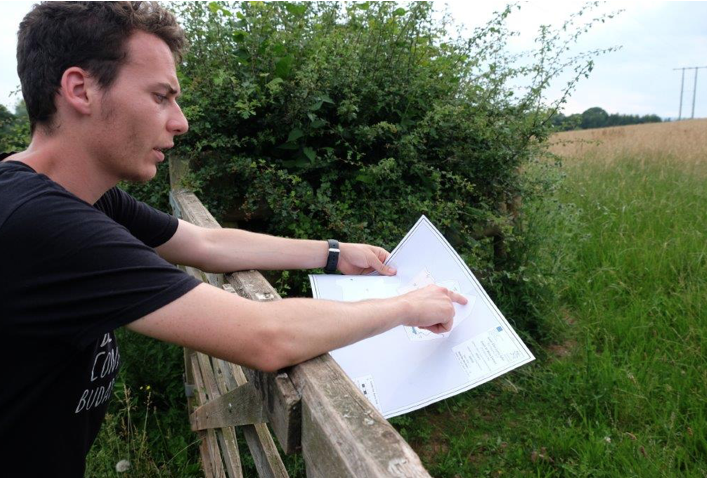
(14, 129)
(339, 120)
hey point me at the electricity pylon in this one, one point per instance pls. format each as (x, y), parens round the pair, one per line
(694, 89)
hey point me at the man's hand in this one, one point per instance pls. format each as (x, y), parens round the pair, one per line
(432, 308)
(363, 259)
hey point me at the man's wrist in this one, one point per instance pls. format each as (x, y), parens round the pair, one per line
(333, 252)
(403, 309)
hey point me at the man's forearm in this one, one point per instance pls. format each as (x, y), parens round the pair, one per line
(268, 335)
(308, 328)
(227, 250)
(271, 335)
(235, 249)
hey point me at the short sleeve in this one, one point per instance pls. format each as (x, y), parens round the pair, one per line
(151, 226)
(78, 273)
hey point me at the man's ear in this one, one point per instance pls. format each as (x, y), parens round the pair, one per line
(78, 90)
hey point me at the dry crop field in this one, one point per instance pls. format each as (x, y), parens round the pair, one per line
(685, 141)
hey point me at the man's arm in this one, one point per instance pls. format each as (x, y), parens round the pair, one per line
(272, 335)
(227, 250)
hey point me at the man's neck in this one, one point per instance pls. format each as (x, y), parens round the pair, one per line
(68, 165)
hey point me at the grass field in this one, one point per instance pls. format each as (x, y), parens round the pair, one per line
(619, 387)
(622, 389)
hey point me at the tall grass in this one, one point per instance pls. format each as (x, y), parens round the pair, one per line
(620, 389)
(126, 445)
(639, 292)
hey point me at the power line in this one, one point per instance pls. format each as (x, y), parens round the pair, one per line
(694, 89)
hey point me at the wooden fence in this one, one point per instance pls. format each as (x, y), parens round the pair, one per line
(312, 408)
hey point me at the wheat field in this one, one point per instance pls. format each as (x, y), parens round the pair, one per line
(684, 141)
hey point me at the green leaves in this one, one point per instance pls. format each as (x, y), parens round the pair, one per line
(274, 85)
(319, 100)
(215, 8)
(365, 177)
(239, 35)
(309, 153)
(295, 134)
(283, 66)
(296, 9)
(219, 77)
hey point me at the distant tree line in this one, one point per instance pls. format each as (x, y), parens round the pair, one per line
(598, 118)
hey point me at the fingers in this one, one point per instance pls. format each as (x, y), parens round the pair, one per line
(383, 269)
(440, 299)
(458, 298)
(382, 256)
(441, 328)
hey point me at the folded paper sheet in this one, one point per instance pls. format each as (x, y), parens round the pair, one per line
(408, 368)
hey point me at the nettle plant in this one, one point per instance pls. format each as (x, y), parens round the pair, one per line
(350, 120)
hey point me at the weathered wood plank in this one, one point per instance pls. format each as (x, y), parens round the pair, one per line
(237, 407)
(189, 380)
(279, 396)
(260, 443)
(283, 407)
(226, 435)
(228, 441)
(210, 454)
(178, 167)
(281, 399)
(224, 384)
(342, 434)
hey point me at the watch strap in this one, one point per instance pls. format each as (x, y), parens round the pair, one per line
(333, 257)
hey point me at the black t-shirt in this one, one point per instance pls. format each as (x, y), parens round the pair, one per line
(70, 273)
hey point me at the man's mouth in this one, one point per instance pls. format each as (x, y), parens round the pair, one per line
(162, 149)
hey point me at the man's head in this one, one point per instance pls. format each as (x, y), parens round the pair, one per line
(100, 82)
(92, 36)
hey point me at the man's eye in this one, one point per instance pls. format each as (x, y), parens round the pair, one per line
(160, 98)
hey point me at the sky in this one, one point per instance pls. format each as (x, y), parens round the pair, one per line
(655, 37)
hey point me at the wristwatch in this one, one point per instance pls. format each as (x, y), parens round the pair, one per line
(333, 258)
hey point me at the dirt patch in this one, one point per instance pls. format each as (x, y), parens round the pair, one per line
(569, 320)
(563, 350)
(431, 449)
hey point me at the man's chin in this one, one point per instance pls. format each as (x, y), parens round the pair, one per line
(143, 177)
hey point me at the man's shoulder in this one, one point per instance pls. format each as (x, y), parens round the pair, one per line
(22, 189)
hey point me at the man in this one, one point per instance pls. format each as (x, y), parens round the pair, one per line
(81, 258)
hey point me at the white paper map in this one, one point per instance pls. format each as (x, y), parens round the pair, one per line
(407, 368)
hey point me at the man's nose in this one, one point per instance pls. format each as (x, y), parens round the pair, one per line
(178, 124)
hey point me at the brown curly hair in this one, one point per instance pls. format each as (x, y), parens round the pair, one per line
(55, 36)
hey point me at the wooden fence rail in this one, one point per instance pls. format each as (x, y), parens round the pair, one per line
(312, 408)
